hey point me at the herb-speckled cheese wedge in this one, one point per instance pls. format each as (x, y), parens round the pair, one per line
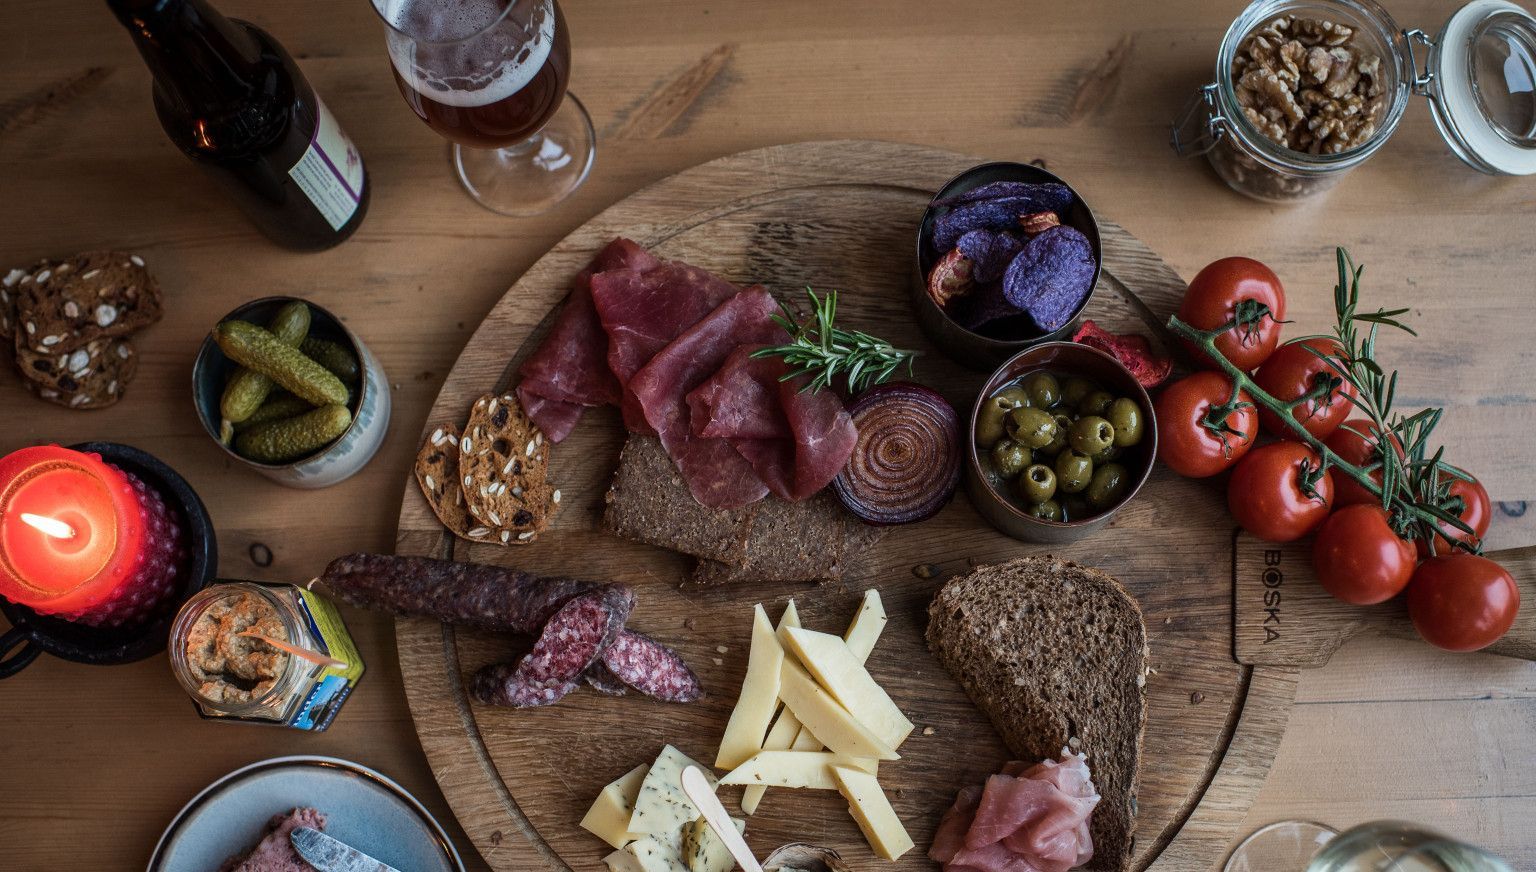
(662, 807)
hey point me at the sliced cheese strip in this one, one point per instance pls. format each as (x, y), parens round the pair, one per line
(661, 806)
(608, 818)
(786, 728)
(748, 726)
(796, 769)
(836, 668)
(868, 805)
(825, 717)
(863, 632)
(708, 852)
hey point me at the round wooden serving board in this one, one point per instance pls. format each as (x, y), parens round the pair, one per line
(830, 215)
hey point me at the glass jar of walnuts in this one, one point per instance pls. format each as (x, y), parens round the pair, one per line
(1307, 90)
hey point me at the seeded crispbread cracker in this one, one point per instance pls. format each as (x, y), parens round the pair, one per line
(437, 473)
(649, 502)
(93, 376)
(8, 295)
(503, 472)
(62, 305)
(810, 540)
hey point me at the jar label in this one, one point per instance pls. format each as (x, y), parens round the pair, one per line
(330, 172)
(333, 684)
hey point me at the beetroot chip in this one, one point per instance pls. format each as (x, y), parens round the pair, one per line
(989, 253)
(1051, 277)
(1133, 350)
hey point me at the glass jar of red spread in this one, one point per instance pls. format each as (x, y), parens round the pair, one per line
(262, 653)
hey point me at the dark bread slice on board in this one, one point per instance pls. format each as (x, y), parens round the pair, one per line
(1055, 655)
(809, 540)
(649, 502)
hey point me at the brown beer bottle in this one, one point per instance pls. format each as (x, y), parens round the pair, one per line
(233, 100)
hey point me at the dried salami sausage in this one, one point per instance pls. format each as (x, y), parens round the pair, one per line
(573, 638)
(652, 668)
(601, 679)
(468, 594)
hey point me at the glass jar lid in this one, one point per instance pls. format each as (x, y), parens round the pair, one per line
(1480, 78)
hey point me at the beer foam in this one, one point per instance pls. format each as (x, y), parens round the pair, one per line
(485, 67)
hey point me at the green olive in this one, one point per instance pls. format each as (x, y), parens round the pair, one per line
(1050, 510)
(1096, 403)
(1035, 428)
(1014, 394)
(1059, 441)
(1074, 390)
(1125, 416)
(1043, 389)
(1108, 486)
(1105, 456)
(1073, 471)
(1009, 458)
(1075, 508)
(989, 420)
(1091, 434)
(1037, 484)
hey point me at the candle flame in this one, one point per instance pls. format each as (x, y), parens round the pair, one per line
(48, 526)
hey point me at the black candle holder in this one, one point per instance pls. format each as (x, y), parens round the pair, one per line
(32, 634)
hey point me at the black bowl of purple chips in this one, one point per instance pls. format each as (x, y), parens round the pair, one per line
(1007, 257)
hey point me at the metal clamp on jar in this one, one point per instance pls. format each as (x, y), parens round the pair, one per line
(1306, 91)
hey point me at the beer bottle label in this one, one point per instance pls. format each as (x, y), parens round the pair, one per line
(330, 172)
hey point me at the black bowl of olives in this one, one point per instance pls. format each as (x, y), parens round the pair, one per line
(1062, 437)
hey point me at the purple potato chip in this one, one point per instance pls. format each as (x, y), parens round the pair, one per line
(1051, 277)
(1050, 196)
(989, 253)
(996, 215)
(981, 307)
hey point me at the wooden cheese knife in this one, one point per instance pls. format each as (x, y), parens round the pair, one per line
(697, 788)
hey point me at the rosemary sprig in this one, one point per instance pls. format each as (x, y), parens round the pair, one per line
(1415, 485)
(823, 351)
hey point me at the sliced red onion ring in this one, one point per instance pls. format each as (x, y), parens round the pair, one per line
(906, 463)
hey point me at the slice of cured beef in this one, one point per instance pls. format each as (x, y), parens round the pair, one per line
(569, 371)
(717, 475)
(572, 640)
(644, 311)
(797, 441)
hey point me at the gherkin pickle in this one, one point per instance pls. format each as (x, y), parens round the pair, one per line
(1108, 486)
(1073, 471)
(1125, 416)
(1091, 435)
(1009, 458)
(1096, 403)
(1050, 510)
(1033, 428)
(1037, 484)
(989, 420)
(1043, 389)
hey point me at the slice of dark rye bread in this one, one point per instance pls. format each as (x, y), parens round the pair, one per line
(1055, 655)
(649, 502)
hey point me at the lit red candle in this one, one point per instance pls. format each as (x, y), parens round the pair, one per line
(83, 540)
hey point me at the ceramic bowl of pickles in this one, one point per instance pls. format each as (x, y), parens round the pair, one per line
(285, 388)
(1062, 436)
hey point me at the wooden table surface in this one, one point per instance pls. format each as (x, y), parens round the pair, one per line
(94, 761)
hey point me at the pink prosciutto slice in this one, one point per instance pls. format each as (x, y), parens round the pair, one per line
(796, 442)
(644, 311)
(1032, 819)
(569, 371)
(717, 475)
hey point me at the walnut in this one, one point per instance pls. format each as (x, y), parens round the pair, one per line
(1306, 85)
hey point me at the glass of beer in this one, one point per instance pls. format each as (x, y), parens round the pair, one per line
(490, 76)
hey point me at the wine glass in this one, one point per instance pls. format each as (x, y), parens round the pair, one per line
(1378, 846)
(490, 76)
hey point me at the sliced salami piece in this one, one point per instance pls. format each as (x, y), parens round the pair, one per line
(601, 679)
(652, 668)
(572, 640)
(467, 594)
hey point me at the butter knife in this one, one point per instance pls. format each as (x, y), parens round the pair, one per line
(329, 855)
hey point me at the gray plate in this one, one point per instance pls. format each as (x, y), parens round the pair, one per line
(362, 808)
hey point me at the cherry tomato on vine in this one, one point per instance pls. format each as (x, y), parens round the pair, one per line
(1269, 491)
(1462, 602)
(1359, 558)
(1213, 299)
(1477, 511)
(1290, 373)
(1355, 443)
(1185, 443)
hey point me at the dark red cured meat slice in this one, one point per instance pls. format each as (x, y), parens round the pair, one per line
(570, 367)
(820, 434)
(643, 312)
(468, 594)
(717, 476)
(572, 640)
(652, 668)
(601, 679)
